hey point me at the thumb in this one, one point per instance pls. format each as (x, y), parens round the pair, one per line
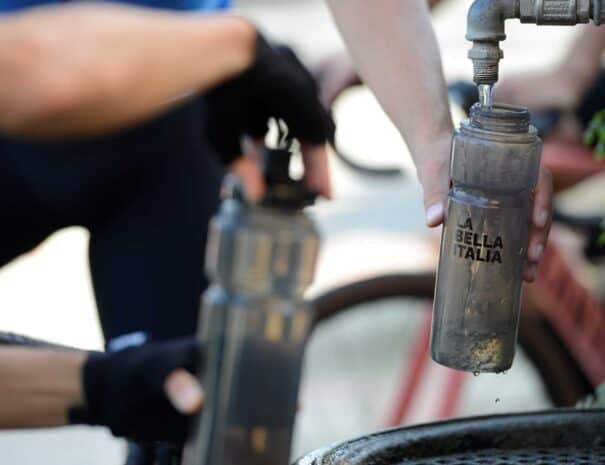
(184, 392)
(247, 169)
(435, 180)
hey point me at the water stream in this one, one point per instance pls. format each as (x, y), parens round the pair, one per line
(486, 96)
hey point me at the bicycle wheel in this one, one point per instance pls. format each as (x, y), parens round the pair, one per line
(353, 363)
(339, 300)
(563, 377)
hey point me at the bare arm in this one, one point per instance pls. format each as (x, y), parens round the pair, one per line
(563, 86)
(396, 53)
(79, 70)
(583, 61)
(38, 387)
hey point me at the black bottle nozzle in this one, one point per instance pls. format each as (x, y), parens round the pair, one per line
(283, 192)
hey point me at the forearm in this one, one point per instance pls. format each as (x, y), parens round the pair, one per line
(396, 53)
(38, 387)
(583, 61)
(84, 69)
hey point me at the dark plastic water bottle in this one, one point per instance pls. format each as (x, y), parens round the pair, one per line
(261, 258)
(495, 167)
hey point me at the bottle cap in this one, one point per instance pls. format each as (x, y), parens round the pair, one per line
(283, 192)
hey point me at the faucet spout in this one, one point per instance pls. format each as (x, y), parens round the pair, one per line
(486, 26)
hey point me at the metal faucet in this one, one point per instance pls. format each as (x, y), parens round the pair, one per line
(486, 18)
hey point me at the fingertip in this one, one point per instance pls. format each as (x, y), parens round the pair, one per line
(255, 192)
(543, 199)
(434, 215)
(536, 251)
(541, 218)
(317, 169)
(250, 177)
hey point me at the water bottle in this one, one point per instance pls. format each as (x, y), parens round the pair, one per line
(261, 258)
(494, 170)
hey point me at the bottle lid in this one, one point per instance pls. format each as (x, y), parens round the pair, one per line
(283, 192)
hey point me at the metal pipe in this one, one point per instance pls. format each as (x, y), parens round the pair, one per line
(485, 21)
(486, 26)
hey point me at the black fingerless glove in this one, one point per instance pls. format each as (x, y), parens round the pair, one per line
(125, 391)
(277, 85)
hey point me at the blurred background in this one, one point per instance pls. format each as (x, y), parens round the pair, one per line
(354, 363)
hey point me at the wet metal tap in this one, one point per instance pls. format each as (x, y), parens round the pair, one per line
(486, 19)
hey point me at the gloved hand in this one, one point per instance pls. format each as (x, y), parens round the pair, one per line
(276, 85)
(129, 391)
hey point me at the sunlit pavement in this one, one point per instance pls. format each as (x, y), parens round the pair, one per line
(354, 363)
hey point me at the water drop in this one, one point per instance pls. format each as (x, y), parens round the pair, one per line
(497, 400)
(476, 373)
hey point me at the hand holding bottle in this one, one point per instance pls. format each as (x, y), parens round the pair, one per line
(434, 175)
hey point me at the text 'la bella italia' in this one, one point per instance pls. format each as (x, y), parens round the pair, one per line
(477, 247)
